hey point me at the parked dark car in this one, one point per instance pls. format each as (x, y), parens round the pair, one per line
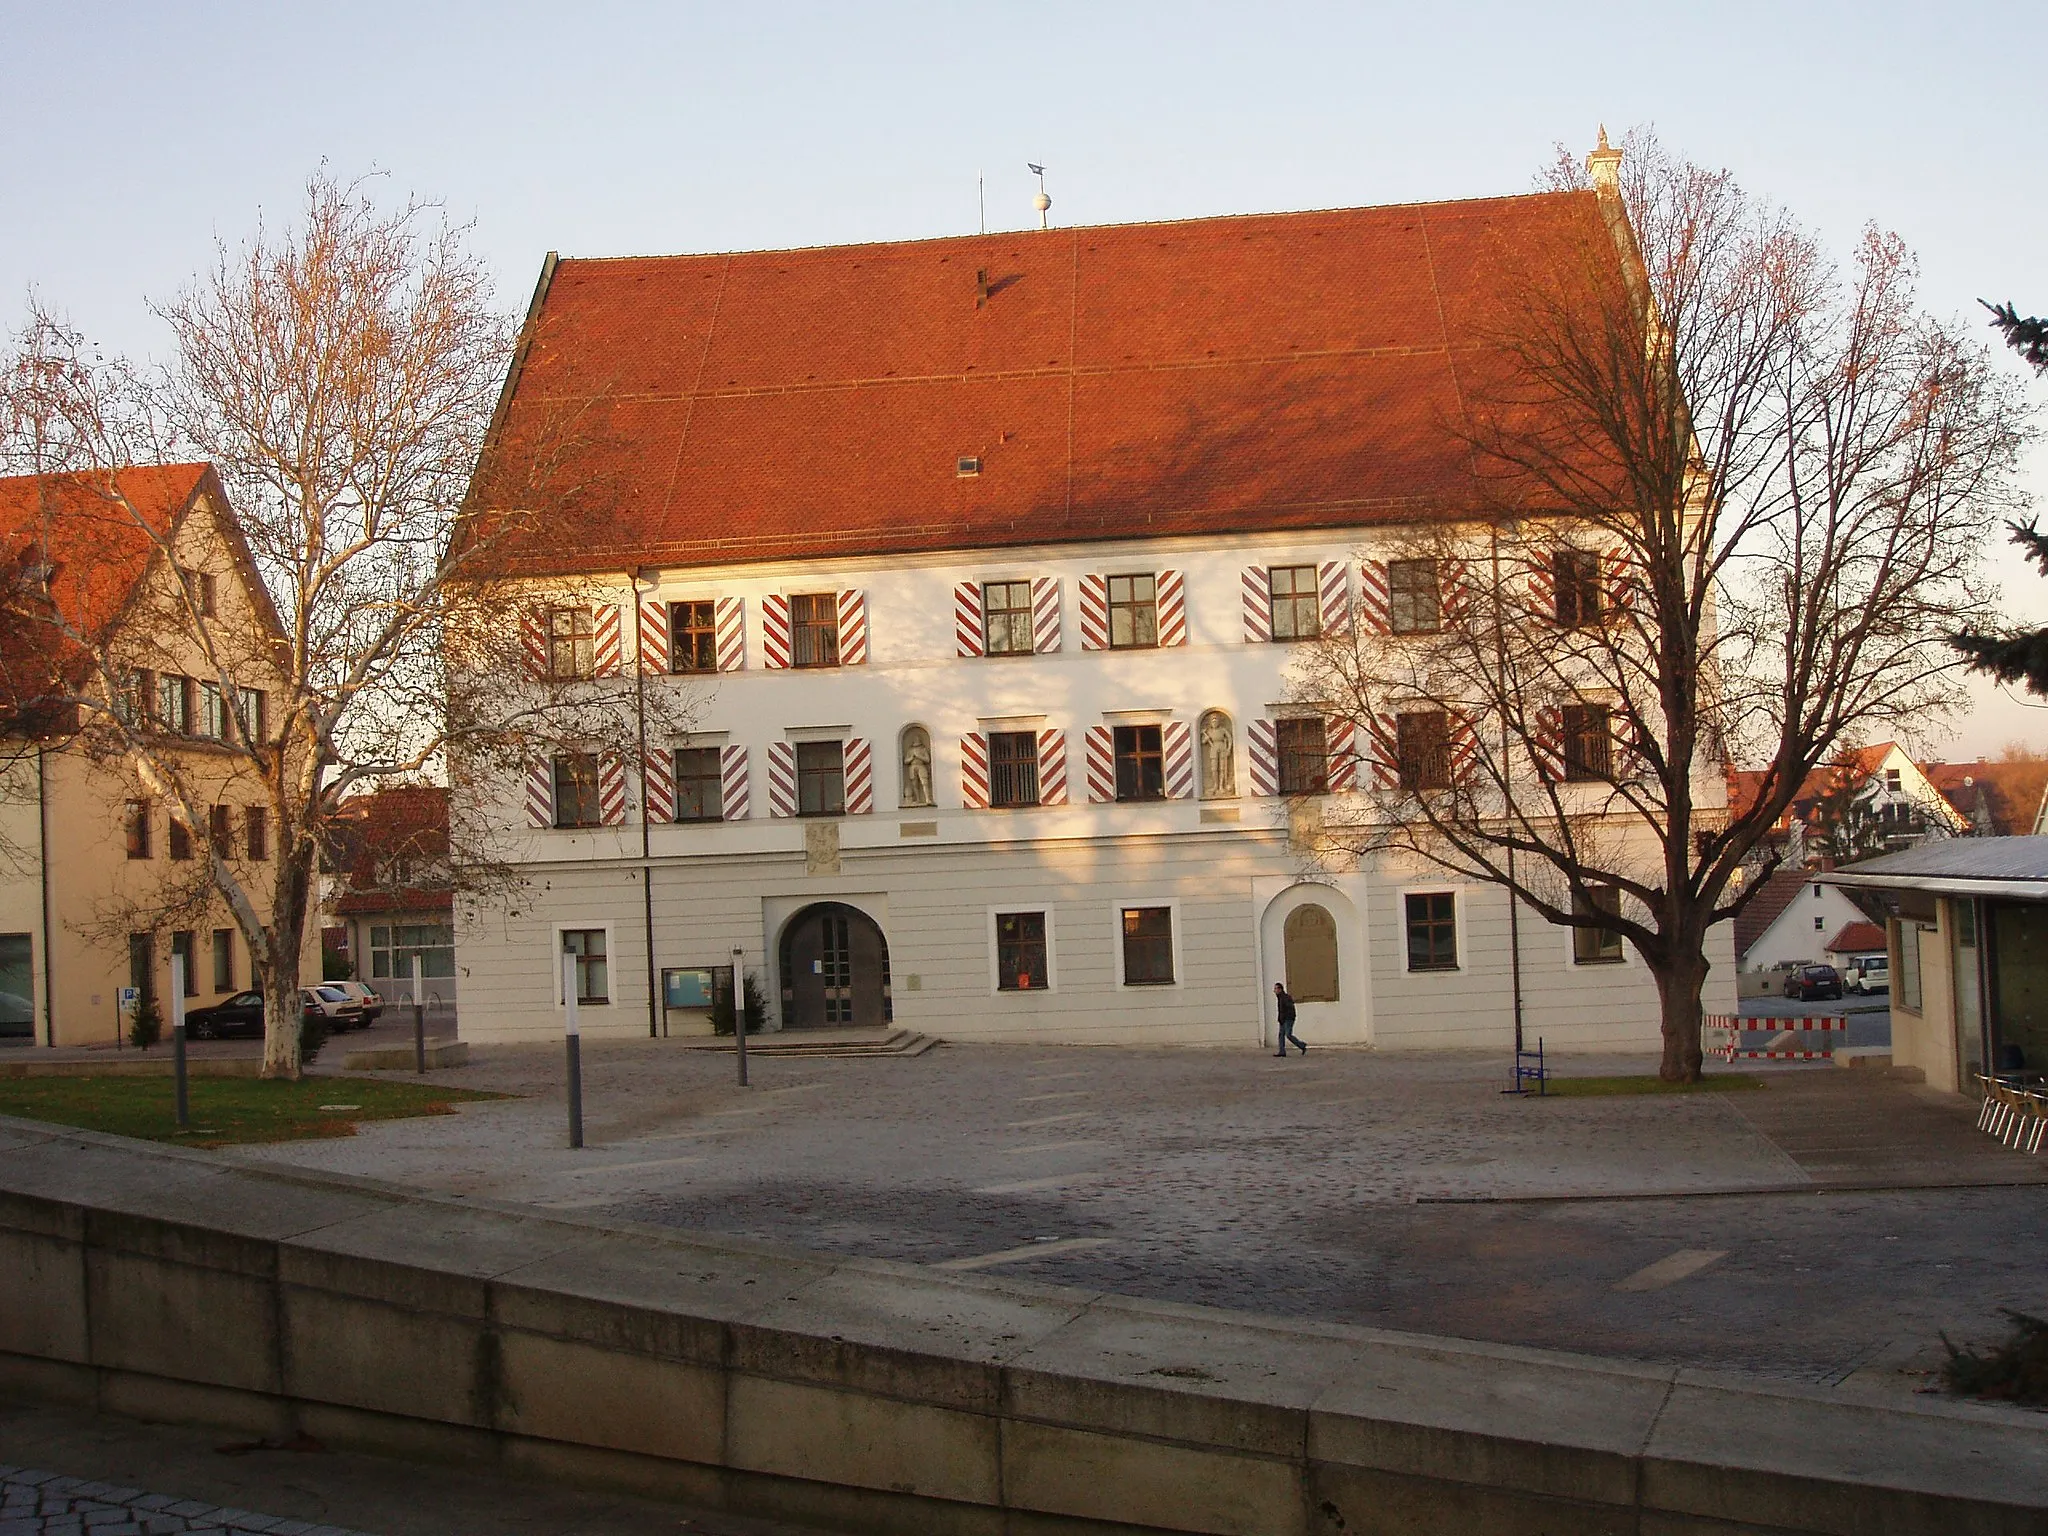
(241, 1014)
(1812, 981)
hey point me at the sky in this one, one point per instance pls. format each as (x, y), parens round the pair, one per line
(139, 134)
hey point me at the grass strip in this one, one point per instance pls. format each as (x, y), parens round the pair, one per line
(1616, 1087)
(226, 1111)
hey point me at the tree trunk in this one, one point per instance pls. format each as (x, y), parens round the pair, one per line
(1679, 985)
(281, 1005)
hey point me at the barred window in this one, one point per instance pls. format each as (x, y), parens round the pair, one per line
(1422, 749)
(257, 827)
(1295, 608)
(1414, 601)
(1020, 951)
(572, 643)
(1304, 757)
(1133, 612)
(1588, 742)
(1006, 618)
(814, 630)
(700, 785)
(1012, 768)
(576, 789)
(693, 637)
(1148, 946)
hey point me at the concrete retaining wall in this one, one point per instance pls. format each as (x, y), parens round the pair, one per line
(881, 1397)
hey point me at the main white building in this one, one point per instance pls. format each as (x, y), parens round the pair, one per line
(984, 562)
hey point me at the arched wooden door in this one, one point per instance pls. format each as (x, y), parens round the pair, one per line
(835, 970)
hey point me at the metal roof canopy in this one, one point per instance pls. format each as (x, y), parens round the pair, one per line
(2012, 867)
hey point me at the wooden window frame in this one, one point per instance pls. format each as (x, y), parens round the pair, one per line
(1293, 602)
(1138, 753)
(1434, 920)
(220, 829)
(1301, 749)
(223, 959)
(1422, 765)
(567, 770)
(814, 629)
(256, 832)
(820, 778)
(1575, 582)
(1597, 946)
(180, 840)
(1012, 769)
(1415, 599)
(1154, 951)
(1588, 742)
(1137, 613)
(693, 636)
(571, 633)
(585, 997)
(709, 798)
(1023, 951)
(137, 829)
(1006, 618)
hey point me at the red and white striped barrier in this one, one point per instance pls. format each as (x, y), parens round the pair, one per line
(1832, 1030)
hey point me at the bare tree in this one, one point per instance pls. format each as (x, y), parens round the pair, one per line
(1732, 499)
(340, 376)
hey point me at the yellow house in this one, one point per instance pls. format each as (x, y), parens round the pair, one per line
(106, 583)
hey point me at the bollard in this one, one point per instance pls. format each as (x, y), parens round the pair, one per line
(573, 1031)
(419, 1019)
(178, 1037)
(739, 1011)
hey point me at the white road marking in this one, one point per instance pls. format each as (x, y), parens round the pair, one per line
(1048, 1146)
(652, 1162)
(1026, 1186)
(1671, 1269)
(1064, 1093)
(1028, 1251)
(1032, 1125)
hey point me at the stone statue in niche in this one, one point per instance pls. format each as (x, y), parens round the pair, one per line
(1219, 767)
(917, 768)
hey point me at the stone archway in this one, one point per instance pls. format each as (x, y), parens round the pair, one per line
(1309, 948)
(835, 969)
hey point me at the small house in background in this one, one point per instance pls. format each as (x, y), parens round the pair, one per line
(1967, 922)
(1856, 941)
(1793, 921)
(1996, 799)
(394, 894)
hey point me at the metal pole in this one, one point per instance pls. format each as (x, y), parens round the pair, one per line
(575, 1038)
(178, 1037)
(739, 1010)
(419, 1018)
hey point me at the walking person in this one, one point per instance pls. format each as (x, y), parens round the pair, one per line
(1285, 1007)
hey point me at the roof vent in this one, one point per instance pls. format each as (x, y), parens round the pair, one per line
(968, 467)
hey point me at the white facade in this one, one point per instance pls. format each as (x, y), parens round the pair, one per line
(936, 879)
(1800, 933)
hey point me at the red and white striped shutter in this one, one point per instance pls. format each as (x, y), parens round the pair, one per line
(1052, 767)
(1177, 745)
(1464, 749)
(1173, 609)
(1333, 587)
(1454, 590)
(654, 649)
(1257, 588)
(968, 639)
(859, 767)
(611, 789)
(1045, 614)
(1375, 613)
(1618, 573)
(606, 649)
(1340, 739)
(732, 783)
(540, 793)
(658, 786)
(974, 771)
(775, 632)
(1094, 613)
(1383, 751)
(1547, 745)
(1542, 590)
(1630, 761)
(781, 778)
(730, 632)
(1101, 747)
(533, 641)
(1262, 746)
(853, 629)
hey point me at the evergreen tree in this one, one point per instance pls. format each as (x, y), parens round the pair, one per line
(2019, 656)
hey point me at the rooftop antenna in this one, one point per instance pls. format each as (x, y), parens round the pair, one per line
(981, 195)
(1040, 202)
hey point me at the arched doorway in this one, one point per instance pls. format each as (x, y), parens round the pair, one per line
(1310, 950)
(835, 969)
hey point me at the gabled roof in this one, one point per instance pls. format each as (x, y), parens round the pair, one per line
(403, 822)
(1273, 371)
(1766, 905)
(1856, 939)
(1999, 799)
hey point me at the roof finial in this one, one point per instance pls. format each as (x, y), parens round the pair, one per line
(1603, 165)
(1041, 202)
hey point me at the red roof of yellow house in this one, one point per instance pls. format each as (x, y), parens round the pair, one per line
(1998, 799)
(1272, 371)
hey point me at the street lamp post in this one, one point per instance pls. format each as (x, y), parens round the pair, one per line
(739, 1009)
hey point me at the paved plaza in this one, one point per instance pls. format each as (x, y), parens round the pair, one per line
(1826, 1227)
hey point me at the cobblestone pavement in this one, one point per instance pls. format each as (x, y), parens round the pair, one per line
(34, 1503)
(1398, 1191)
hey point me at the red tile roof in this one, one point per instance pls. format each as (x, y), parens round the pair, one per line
(1297, 370)
(2006, 794)
(1857, 939)
(405, 823)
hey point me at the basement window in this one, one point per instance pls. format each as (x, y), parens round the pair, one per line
(968, 467)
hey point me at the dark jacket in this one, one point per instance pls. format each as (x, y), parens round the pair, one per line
(1286, 1008)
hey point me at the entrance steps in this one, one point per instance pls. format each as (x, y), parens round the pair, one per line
(821, 1042)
